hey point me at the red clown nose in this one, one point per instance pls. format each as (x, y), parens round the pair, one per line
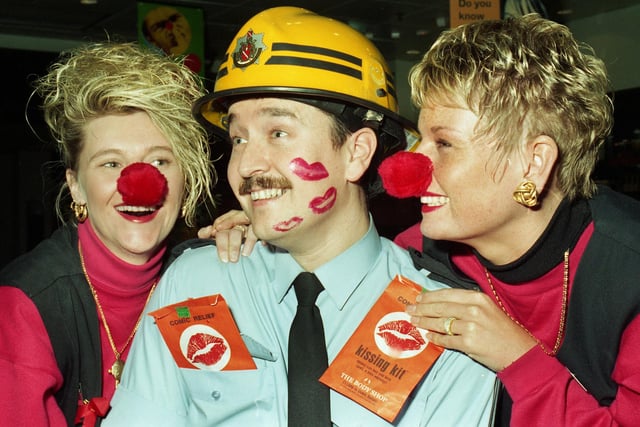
(406, 174)
(142, 184)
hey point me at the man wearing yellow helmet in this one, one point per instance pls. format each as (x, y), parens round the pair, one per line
(310, 109)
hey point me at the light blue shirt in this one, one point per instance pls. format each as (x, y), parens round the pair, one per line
(154, 392)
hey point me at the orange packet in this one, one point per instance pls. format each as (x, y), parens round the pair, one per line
(386, 356)
(201, 334)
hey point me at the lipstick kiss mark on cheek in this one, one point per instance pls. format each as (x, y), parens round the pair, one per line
(325, 202)
(308, 172)
(288, 224)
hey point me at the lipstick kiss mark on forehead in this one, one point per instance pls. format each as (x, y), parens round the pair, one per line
(308, 172)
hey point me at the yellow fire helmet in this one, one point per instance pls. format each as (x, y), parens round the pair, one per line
(295, 53)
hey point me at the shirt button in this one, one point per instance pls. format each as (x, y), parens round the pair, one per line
(215, 395)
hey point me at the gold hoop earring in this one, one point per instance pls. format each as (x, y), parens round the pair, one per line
(80, 211)
(526, 194)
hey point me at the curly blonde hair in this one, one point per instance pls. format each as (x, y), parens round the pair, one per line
(523, 77)
(112, 78)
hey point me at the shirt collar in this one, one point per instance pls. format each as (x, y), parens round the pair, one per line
(340, 276)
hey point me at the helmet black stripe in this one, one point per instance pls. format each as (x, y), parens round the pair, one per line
(392, 91)
(314, 63)
(318, 51)
(222, 72)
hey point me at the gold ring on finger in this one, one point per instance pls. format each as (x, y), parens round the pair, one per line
(242, 228)
(447, 325)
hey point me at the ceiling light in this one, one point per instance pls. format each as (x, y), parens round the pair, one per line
(88, 1)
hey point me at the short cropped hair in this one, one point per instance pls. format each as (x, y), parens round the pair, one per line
(523, 77)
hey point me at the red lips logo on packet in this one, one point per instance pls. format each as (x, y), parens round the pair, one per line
(398, 336)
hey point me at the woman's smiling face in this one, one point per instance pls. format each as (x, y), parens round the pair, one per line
(470, 197)
(111, 143)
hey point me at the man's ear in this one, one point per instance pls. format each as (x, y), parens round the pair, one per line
(74, 187)
(542, 155)
(362, 147)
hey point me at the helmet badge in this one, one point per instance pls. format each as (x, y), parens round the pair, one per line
(248, 49)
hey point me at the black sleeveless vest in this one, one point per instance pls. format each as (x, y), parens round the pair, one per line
(605, 295)
(51, 275)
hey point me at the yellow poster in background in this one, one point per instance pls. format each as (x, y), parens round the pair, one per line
(174, 31)
(466, 11)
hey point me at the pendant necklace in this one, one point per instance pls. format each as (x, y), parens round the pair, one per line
(563, 310)
(118, 365)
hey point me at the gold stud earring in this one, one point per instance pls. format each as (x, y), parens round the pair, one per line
(80, 211)
(526, 194)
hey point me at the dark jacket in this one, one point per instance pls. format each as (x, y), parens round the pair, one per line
(51, 275)
(608, 273)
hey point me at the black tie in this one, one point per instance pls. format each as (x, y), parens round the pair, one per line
(308, 397)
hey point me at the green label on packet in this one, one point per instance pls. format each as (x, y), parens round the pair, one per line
(183, 312)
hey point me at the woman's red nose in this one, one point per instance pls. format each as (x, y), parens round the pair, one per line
(406, 174)
(142, 184)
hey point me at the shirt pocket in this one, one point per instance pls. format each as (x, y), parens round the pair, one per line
(238, 395)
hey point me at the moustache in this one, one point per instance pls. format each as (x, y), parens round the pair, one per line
(256, 182)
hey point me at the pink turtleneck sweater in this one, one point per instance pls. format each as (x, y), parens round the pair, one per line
(544, 390)
(29, 373)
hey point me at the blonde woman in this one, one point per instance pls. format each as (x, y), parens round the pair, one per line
(136, 160)
(512, 115)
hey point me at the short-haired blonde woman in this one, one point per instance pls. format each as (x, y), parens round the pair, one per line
(512, 115)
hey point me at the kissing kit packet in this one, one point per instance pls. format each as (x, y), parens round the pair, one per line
(201, 334)
(386, 356)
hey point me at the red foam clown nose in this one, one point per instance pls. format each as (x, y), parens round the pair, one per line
(142, 184)
(406, 174)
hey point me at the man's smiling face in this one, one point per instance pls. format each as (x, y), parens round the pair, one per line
(284, 168)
